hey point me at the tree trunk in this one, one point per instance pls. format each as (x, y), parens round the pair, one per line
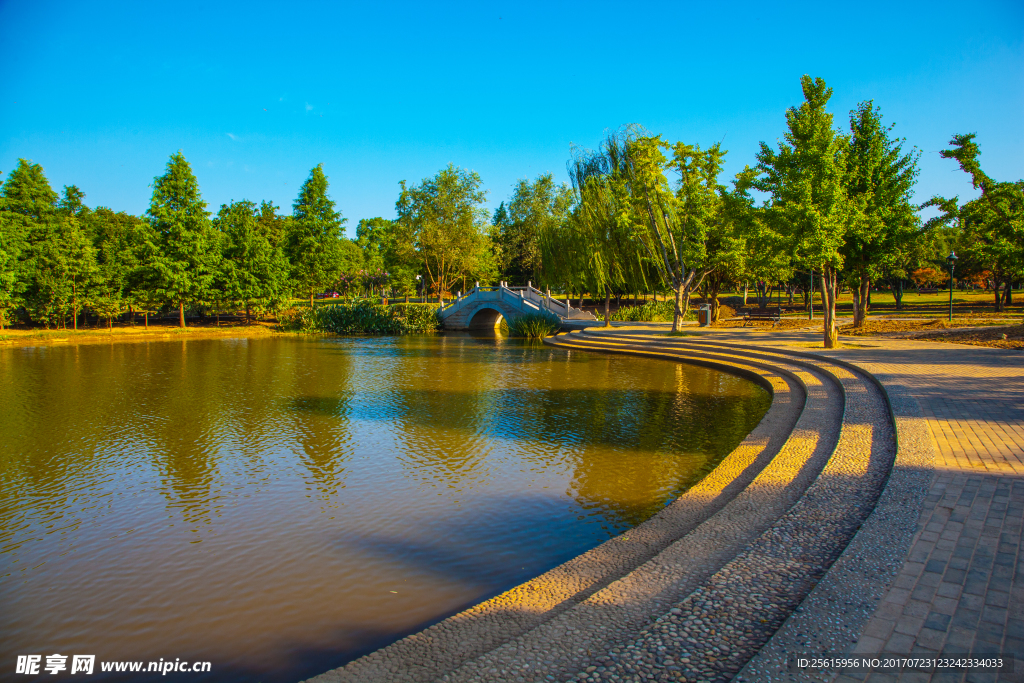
(829, 288)
(856, 306)
(897, 292)
(181, 314)
(110, 323)
(789, 291)
(861, 292)
(682, 300)
(146, 314)
(677, 316)
(607, 303)
(999, 295)
(311, 298)
(744, 293)
(1008, 296)
(715, 305)
(407, 297)
(865, 297)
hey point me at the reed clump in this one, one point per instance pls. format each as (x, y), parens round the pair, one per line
(533, 325)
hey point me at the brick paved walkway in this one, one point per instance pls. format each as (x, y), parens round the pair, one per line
(961, 588)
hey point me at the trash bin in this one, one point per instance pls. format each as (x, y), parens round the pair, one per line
(704, 315)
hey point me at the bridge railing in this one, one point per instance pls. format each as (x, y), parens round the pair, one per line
(528, 298)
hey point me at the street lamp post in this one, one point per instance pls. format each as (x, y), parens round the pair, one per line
(951, 260)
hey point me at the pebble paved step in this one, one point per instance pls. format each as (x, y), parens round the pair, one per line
(427, 655)
(611, 617)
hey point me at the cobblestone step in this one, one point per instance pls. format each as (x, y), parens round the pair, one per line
(725, 622)
(607, 620)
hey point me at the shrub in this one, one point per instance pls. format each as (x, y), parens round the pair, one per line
(363, 317)
(650, 311)
(292, 319)
(416, 317)
(534, 325)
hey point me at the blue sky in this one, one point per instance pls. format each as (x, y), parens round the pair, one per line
(102, 93)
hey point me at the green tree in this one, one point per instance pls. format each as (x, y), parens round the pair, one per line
(376, 238)
(119, 240)
(880, 181)
(650, 227)
(441, 225)
(383, 248)
(28, 203)
(533, 209)
(994, 222)
(255, 270)
(588, 250)
(809, 207)
(315, 240)
(187, 252)
(64, 267)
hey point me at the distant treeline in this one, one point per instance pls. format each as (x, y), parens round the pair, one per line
(833, 208)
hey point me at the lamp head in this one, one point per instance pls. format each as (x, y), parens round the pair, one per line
(951, 259)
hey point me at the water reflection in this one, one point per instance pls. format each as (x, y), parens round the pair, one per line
(261, 503)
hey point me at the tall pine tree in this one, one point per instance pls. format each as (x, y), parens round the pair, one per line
(186, 244)
(314, 241)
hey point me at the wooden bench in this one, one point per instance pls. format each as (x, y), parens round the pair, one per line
(927, 290)
(773, 314)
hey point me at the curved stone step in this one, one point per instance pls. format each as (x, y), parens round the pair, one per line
(721, 625)
(613, 615)
(447, 645)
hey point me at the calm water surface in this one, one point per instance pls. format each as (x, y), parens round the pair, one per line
(280, 506)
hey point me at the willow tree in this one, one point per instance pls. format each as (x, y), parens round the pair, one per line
(625, 199)
(671, 229)
(596, 252)
(809, 207)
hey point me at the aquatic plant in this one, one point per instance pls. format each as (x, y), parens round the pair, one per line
(533, 325)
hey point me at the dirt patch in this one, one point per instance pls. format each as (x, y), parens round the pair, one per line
(1003, 337)
(938, 330)
(905, 328)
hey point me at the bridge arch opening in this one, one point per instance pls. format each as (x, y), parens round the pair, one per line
(485, 319)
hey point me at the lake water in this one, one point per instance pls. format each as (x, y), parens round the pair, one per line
(280, 506)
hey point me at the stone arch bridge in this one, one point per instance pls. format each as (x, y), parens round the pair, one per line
(483, 308)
